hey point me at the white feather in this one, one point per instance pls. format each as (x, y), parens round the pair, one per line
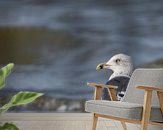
(122, 68)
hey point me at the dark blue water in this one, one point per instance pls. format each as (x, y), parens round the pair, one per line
(56, 45)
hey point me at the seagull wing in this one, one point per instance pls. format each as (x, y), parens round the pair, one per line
(120, 81)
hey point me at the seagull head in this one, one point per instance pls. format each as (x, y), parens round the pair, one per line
(120, 64)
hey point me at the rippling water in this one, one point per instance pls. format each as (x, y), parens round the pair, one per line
(57, 44)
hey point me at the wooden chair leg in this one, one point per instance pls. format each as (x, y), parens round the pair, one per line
(144, 126)
(160, 98)
(124, 125)
(112, 94)
(146, 110)
(94, 123)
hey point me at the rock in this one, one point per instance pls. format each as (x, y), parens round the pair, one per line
(74, 106)
(47, 104)
(62, 108)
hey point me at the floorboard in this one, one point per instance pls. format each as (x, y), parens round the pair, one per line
(57, 121)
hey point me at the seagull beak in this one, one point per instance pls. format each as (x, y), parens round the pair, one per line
(102, 66)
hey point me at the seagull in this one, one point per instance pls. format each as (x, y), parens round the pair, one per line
(122, 67)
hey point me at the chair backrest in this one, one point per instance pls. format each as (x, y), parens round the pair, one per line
(146, 77)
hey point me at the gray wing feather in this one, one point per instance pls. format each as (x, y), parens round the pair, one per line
(120, 81)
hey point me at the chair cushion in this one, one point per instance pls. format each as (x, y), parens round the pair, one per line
(125, 110)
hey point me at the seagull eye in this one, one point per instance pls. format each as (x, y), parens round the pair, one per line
(117, 60)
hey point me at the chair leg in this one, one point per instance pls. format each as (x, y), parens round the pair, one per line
(124, 125)
(144, 126)
(94, 123)
(146, 110)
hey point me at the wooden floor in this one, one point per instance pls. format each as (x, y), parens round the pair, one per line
(57, 121)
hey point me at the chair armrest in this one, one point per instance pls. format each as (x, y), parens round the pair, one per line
(98, 88)
(148, 101)
(148, 88)
(102, 85)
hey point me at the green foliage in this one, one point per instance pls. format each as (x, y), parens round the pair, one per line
(20, 98)
(8, 126)
(4, 72)
(23, 98)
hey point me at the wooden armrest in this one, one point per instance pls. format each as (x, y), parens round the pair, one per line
(98, 87)
(147, 88)
(148, 101)
(102, 85)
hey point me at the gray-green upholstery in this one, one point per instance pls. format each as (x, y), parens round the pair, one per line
(132, 105)
(131, 111)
